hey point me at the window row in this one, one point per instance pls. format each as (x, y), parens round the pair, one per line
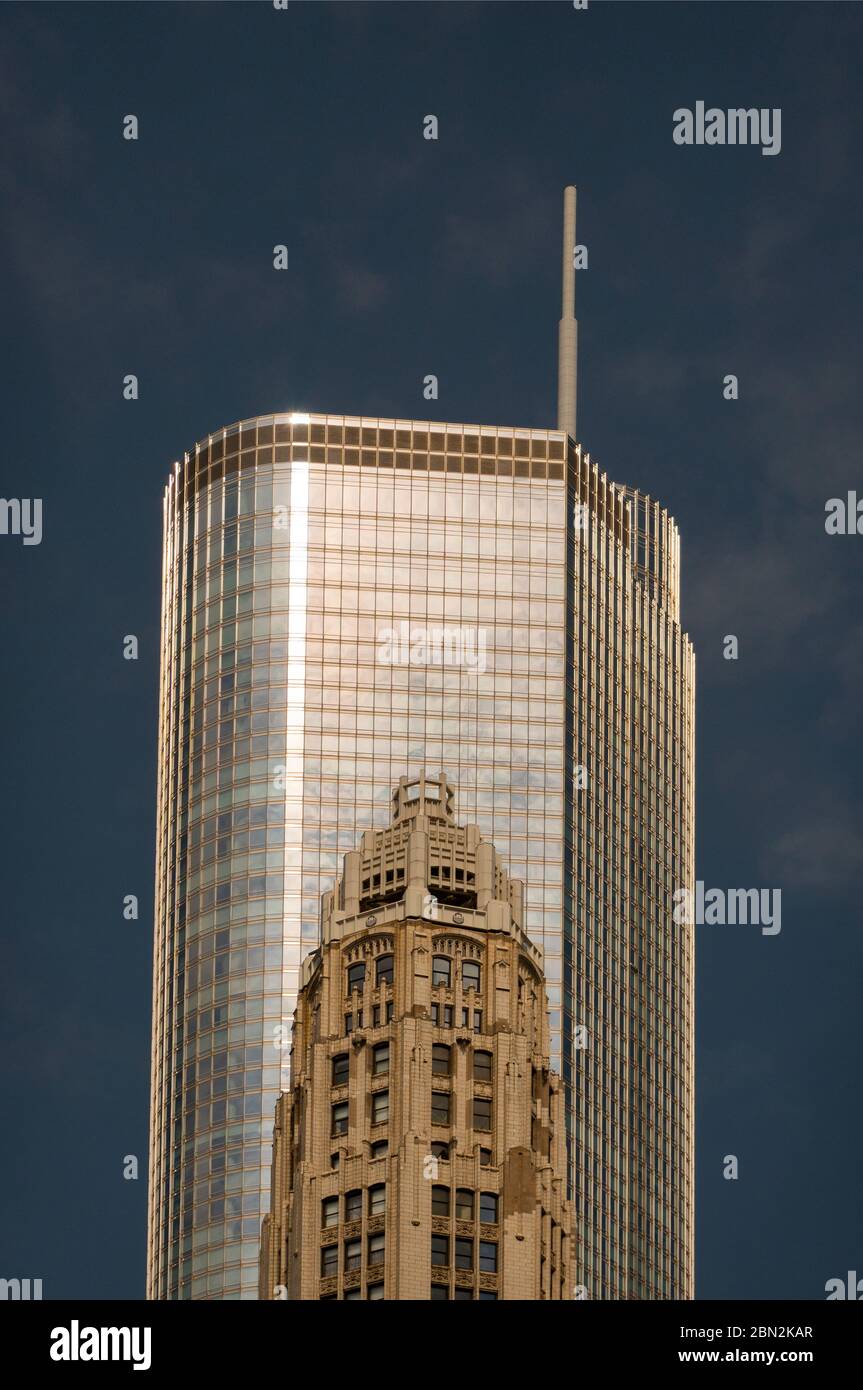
(380, 1113)
(461, 1252)
(442, 1017)
(372, 432)
(379, 1149)
(440, 1293)
(353, 1255)
(373, 1292)
(441, 1111)
(442, 972)
(357, 1018)
(341, 1064)
(483, 1063)
(353, 1206)
(465, 1202)
(383, 973)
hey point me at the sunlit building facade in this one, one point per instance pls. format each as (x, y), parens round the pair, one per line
(346, 602)
(420, 1152)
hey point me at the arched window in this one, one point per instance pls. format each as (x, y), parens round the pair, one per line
(482, 1066)
(442, 971)
(488, 1207)
(384, 970)
(440, 1201)
(439, 1252)
(440, 1107)
(464, 1204)
(481, 1113)
(356, 975)
(353, 1255)
(470, 974)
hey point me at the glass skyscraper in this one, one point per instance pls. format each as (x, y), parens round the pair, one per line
(347, 602)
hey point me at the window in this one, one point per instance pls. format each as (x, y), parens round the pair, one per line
(381, 1107)
(384, 970)
(340, 1118)
(441, 971)
(487, 1257)
(376, 1016)
(440, 1201)
(334, 1160)
(470, 974)
(440, 1107)
(485, 1158)
(477, 1020)
(353, 1205)
(482, 1065)
(379, 1149)
(377, 1199)
(375, 1291)
(488, 1293)
(440, 1151)
(481, 1112)
(389, 1011)
(464, 1204)
(462, 1294)
(463, 1253)
(380, 1059)
(440, 1250)
(488, 1207)
(377, 1248)
(351, 1295)
(353, 1255)
(329, 1260)
(356, 976)
(439, 1292)
(440, 1059)
(340, 1069)
(330, 1212)
(349, 1023)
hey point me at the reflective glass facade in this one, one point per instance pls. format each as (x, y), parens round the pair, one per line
(347, 602)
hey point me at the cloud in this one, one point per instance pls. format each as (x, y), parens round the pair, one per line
(360, 288)
(824, 851)
(754, 585)
(518, 216)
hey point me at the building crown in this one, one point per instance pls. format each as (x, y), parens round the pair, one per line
(425, 795)
(424, 864)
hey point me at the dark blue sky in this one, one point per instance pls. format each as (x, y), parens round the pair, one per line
(407, 257)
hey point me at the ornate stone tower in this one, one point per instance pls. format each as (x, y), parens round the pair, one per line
(420, 1153)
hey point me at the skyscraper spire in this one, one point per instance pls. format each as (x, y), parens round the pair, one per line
(567, 335)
